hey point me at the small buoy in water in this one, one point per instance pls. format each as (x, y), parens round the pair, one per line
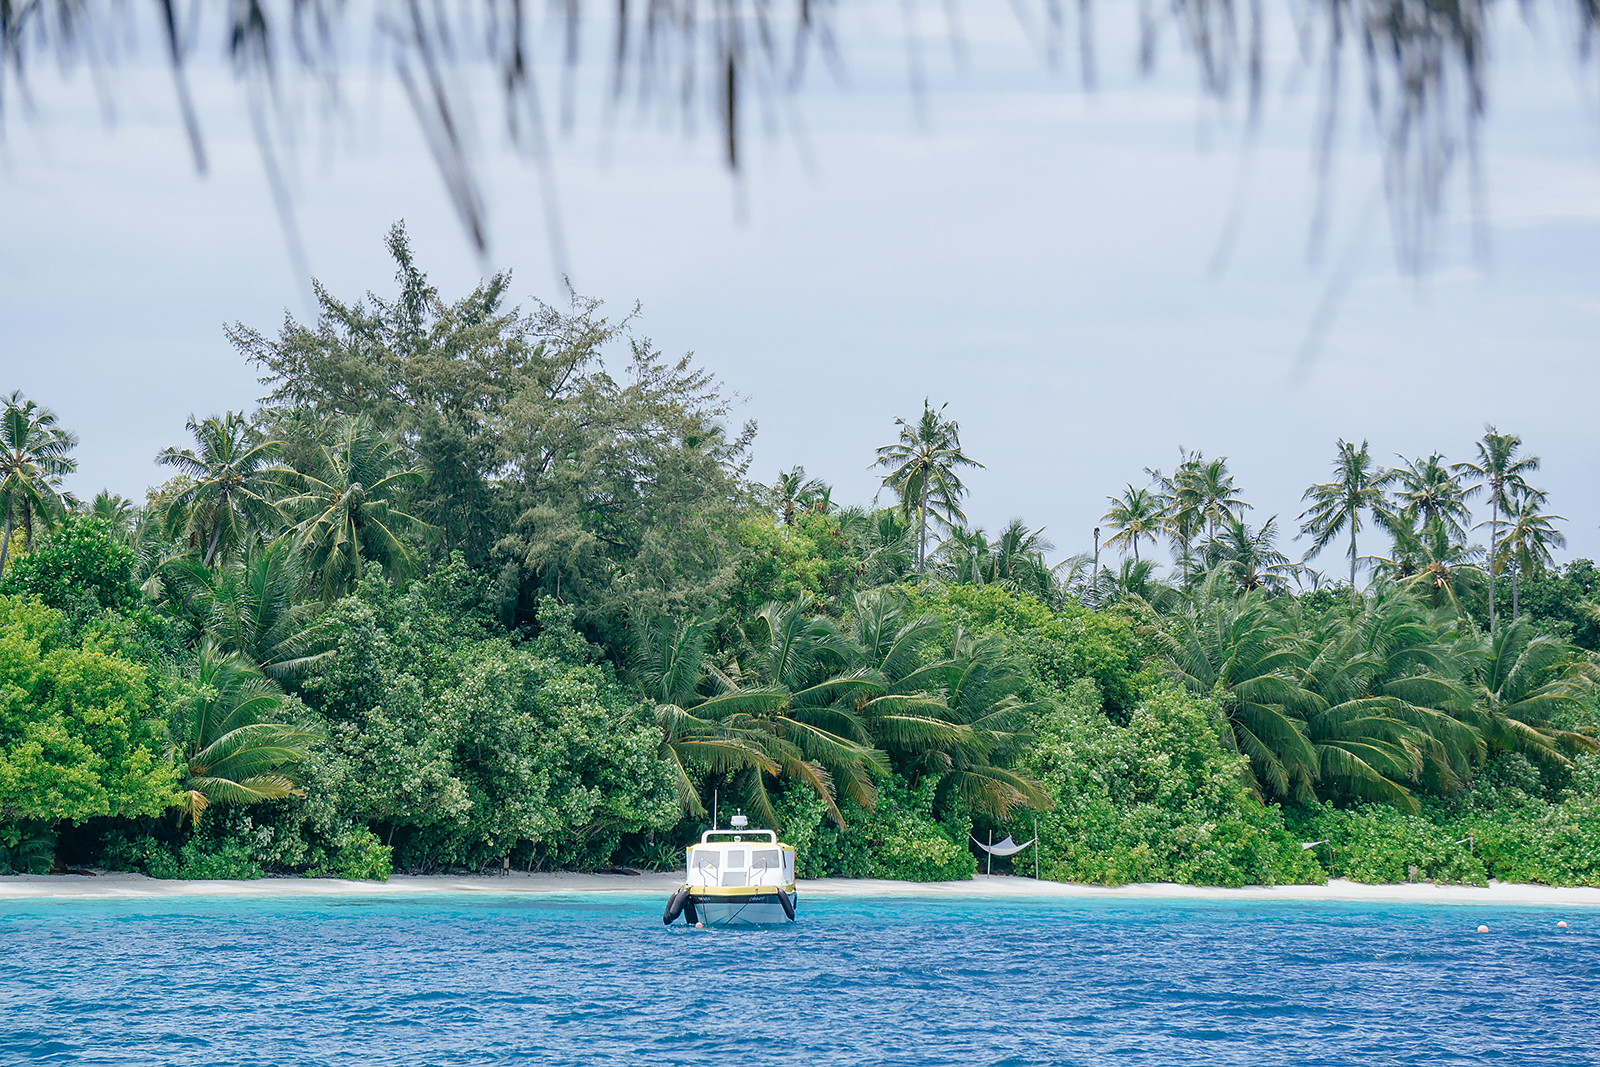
(1563, 922)
(699, 926)
(1483, 929)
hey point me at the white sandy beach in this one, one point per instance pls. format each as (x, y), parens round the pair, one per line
(114, 885)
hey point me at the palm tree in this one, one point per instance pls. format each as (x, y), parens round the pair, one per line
(233, 488)
(1529, 537)
(255, 606)
(1429, 492)
(832, 707)
(349, 512)
(33, 460)
(1503, 476)
(1428, 564)
(1211, 487)
(117, 511)
(884, 541)
(1015, 559)
(1074, 578)
(1134, 585)
(1199, 495)
(228, 754)
(958, 717)
(983, 693)
(1335, 505)
(820, 500)
(1250, 557)
(793, 490)
(1525, 683)
(964, 555)
(1387, 709)
(1354, 703)
(923, 466)
(708, 720)
(1237, 649)
(1136, 516)
(1177, 503)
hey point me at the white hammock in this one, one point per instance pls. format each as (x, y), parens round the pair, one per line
(1007, 847)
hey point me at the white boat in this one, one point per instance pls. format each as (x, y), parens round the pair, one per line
(737, 877)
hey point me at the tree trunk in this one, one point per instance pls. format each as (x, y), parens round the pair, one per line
(5, 544)
(216, 531)
(1494, 562)
(922, 530)
(1353, 595)
(211, 549)
(1516, 574)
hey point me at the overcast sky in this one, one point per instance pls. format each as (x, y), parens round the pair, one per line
(1039, 257)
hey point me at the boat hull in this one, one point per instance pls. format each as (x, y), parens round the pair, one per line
(755, 909)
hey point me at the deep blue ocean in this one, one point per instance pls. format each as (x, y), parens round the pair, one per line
(487, 979)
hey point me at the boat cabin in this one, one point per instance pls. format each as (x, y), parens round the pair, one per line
(743, 859)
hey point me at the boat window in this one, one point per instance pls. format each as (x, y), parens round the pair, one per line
(705, 859)
(764, 859)
(736, 858)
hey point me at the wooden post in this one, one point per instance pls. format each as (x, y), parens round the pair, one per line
(1094, 585)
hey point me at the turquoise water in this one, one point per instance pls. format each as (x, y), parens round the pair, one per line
(598, 980)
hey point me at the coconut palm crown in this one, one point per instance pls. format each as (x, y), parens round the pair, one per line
(922, 470)
(33, 460)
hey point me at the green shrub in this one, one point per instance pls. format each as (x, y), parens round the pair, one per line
(782, 562)
(898, 839)
(79, 570)
(78, 737)
(358, 857)
(1377, 844)
(27, 848)
(1522, 837)
(906, 843)
(660, 855)
(822, 849)
(1159, 800)
(460, 749)
(196, 858)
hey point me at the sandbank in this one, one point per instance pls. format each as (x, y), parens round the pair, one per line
(122, 885)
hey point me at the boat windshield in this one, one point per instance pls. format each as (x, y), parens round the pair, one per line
(765, 859)
(705, 859)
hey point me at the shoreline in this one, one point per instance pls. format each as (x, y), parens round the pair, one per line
(119, 885)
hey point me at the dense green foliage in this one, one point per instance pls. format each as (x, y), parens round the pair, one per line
(80, 571)
(460, 747)
(460, 597)
(78, 735)
(1158, 800)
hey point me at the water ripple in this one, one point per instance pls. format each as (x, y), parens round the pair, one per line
(588, 980)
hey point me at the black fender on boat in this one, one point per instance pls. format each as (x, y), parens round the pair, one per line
(690, 915)
(786, 902)
(675, 906)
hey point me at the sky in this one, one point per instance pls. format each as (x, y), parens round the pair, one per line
(1042, 258)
